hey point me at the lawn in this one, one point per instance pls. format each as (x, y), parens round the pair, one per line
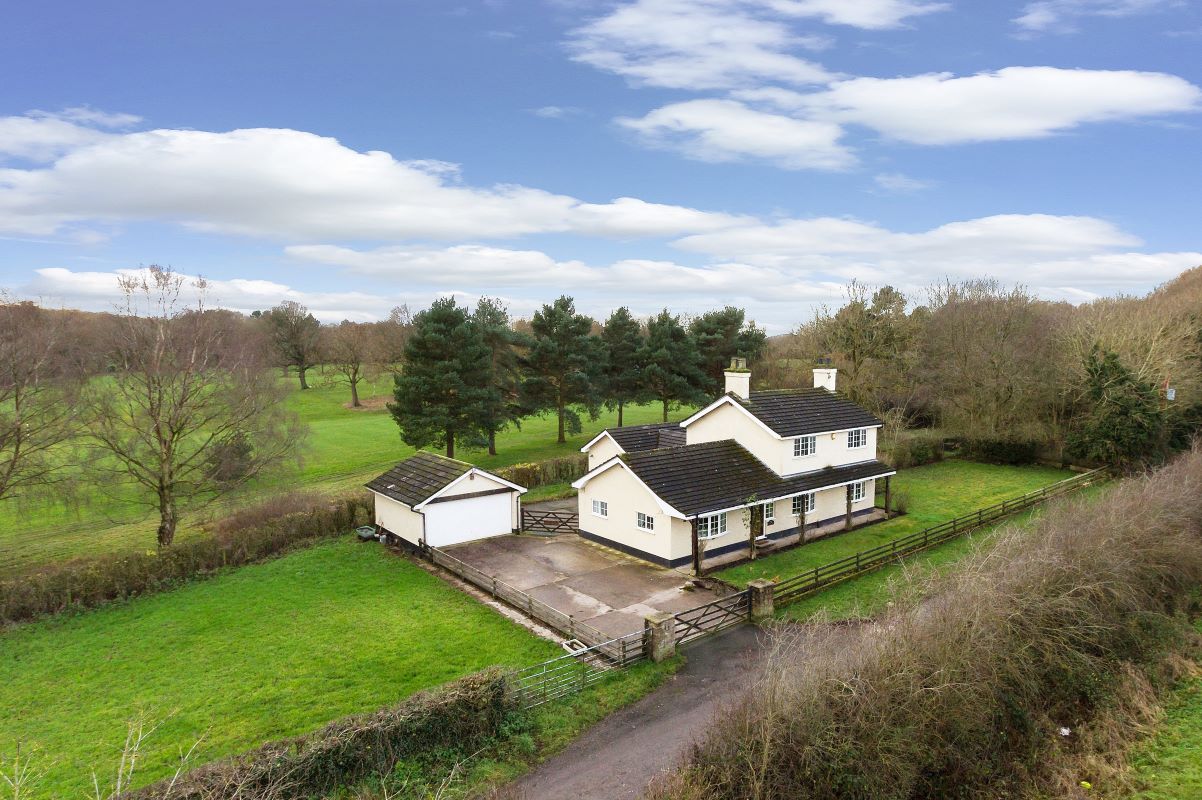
(258, 653)
(343, 449)
(936, 492)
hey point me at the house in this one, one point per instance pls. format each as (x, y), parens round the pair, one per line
(769, 467)
(431, 500)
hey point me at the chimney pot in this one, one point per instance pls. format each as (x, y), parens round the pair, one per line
(738, 378)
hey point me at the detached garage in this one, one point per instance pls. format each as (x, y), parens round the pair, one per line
(435, 501)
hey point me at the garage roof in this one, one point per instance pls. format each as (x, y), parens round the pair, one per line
(419, 477)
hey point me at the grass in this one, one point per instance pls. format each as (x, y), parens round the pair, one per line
(937, 492)
(261, 652)
(344, 448)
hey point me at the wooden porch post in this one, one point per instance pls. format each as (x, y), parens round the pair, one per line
(801, 527)
(888, 497)
(847, 523)
(756, 528)
(696, 548)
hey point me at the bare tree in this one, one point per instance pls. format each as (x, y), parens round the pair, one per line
(296, 336)
(190, 411)
(391, 336)
(349, 350)
(36, 382)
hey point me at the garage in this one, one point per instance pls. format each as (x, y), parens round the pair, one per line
(429, 500)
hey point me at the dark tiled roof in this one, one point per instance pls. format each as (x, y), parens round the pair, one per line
(700, 478)
(418, 477)
(798, 412)
(633, 438)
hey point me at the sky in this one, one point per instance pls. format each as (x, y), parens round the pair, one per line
(357, 155)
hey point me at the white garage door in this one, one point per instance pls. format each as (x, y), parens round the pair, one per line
(471, 518)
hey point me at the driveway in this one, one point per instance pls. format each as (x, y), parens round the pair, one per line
(609, 590)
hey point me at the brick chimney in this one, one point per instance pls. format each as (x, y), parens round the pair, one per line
(824, 378)
(738, 378)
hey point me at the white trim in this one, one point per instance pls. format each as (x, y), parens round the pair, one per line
(393, 499)
(593, 441)
(649, 517)
(616, 461)
(465, 476)
(729, 399)
(794, 494)
(603, 505)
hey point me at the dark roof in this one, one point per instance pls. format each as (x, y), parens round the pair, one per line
(418, 477)
(799, 412)
(700, 478)
(633, 438)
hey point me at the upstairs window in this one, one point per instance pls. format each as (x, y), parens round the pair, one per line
(646, 522)
(711, 526)
(601, 508)
(857, 491)
(803, 503)
(857, 438)
(805, 446)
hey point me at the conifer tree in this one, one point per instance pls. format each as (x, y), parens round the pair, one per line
(622, 373)
(561, 366)
(671, 365)
(720, 335)
(1124, 424)
(491, 317)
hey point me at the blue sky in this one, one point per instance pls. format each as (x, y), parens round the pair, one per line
(357, 155)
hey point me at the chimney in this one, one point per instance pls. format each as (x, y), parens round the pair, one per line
(824, 378)
(738, 378)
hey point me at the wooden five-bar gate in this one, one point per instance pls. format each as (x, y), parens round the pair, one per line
(536, 521)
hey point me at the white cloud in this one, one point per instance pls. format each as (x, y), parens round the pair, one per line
(726, 130)
(866, 14)
(897, 183)
(42, 136)
(282, 183)
(1059, 15)
(556, 112)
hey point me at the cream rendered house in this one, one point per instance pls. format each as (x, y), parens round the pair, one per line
(772, 467)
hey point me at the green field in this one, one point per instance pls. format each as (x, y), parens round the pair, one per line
(937, 492)
(343, 449)
(1168, 765)
(257, 653)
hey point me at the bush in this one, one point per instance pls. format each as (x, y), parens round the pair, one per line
(963, 691)
(914, 448)
(459, 717)
(1001, 451)
(253, 534)
(554, 470)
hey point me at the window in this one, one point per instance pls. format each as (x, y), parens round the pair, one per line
(857, 438)
(805, 446)
(712, 526)
(769, 512)
(803, 503)
(601, 508)
(646, 522)
(857, 491)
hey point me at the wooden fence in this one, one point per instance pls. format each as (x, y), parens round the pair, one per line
(564, 676)
(726, 612)
(549, 521)
(808, 582)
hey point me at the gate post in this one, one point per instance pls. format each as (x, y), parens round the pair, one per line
(660, 630)
(762, 606)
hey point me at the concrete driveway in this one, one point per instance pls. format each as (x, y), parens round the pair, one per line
(606, 589)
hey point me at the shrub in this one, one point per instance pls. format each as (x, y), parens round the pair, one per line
(901, 502)
(252, 534)
(459, 717)
(961, 692)
(1000, 451)
(914, 448)
(554, 470)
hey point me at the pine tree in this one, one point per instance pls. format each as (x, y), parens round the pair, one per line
(671, 365)
(622, 373)
(720, 335)
(443, 394)
(561, 366)
(1124, 424)
(491, 317)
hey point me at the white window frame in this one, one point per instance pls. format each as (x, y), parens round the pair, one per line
(809, 500)
(769, 512)
(859, 491)
(810, 446)
(603, 507)
(714, 525)
(644, 522)
(857, 438)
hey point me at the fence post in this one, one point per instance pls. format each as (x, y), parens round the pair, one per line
(761, 598)
(661, 636)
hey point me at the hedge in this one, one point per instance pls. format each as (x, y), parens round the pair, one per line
(554, 470)
(247, 536)
(461, 717)
(913, 449)
(1000, 451)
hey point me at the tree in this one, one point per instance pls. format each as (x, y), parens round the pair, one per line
(721, 335)
(866, 337)
(442, 394)
(391, 336)
(37, 415)
(671, 365)
(622, 371)
(561, 365)
(1124, 423)
(296, 336)
(187, 390)
(349, 350)
(491, 317)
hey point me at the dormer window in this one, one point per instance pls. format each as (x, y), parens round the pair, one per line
(805, 446)
(857, 438)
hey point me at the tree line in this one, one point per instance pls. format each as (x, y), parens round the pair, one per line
(1117, 380)
(469, 373)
